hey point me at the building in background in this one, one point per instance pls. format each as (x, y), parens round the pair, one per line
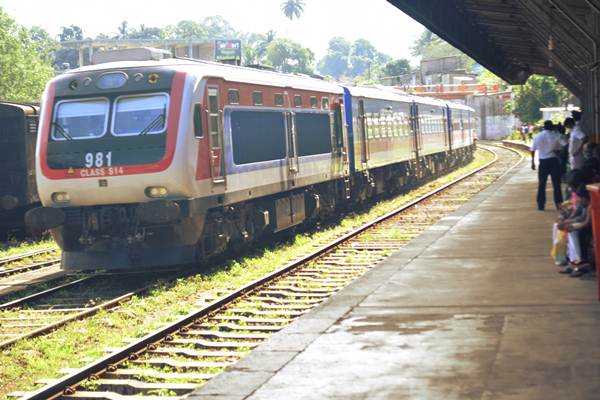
(226, 51)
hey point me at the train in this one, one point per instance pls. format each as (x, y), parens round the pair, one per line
(145, 161)
(18, 192)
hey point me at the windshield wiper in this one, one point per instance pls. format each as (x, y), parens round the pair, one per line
(62, 131)
(156, 122)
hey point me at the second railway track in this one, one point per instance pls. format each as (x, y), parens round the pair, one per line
(171, 362)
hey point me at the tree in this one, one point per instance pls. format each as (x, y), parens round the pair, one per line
(336, 61)
(123, 30)
(426, 38)
(24, 72)
(64, 55)
(254, 46)
(292, 8)
(44, 44)
(539, 91)
(397, 67)
(190, 30)
(363, 57)
(71, 32)
(146, 32)
(217, 27)
(289, 56)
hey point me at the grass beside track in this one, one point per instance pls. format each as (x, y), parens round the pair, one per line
(82, 341)
(13, 248)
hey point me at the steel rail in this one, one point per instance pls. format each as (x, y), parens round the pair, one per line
(67, 384)
(35, 296)
(33, 253)
(86, 313)
(30, 267)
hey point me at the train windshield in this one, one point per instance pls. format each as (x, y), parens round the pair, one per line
(140, 115)
(80, 119)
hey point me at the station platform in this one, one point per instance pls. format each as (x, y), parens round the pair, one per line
(472, 309)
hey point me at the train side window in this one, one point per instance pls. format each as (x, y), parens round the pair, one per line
(213, 117)
(297, 100)
(257, 98)
(278, 99)
(313, 102)
(325, 103)
(198, 129)
(313, 133)
(233, 96)
(250, 130)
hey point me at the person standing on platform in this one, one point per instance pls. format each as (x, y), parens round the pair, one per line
(576, 141)
(548, 143)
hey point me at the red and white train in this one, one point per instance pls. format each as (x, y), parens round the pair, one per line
(169, 161)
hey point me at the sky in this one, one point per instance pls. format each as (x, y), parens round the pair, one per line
(387, 28)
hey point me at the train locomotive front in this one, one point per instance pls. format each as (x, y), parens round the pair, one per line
(110, 167)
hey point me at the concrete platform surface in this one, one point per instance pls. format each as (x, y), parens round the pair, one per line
(472, 309)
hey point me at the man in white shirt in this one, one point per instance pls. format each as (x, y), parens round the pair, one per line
(547, 144)
(576, 141)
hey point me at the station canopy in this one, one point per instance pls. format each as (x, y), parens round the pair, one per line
(517, 38)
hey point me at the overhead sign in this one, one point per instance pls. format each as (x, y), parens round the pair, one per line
(228, 51)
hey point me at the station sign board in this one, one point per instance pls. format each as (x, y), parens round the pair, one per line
(229, 51)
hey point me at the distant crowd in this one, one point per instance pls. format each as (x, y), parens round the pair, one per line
(566, 155)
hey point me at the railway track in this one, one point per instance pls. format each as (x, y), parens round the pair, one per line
(11, 265)
(44, 311)
(173, 361)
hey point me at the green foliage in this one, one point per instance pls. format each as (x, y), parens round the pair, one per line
(539, 91)
(397, 67)
(359, 60)
(289, 56)
(254, 47)
(292, 8)
(188, 30)
(429, 46)
(23, 62)
(146, 32)
(218, 28)
(426, 38)
(337, 59)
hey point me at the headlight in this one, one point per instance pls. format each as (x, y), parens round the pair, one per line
(156, 191)
(61, 197)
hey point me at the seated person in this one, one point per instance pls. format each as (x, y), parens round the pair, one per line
(579, 229)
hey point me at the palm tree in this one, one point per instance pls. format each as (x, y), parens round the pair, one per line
(292, 8)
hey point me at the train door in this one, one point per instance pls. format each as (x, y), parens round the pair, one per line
(415, 126)
(293, 164)
(362, 126)
(215, 129)
(448, 125)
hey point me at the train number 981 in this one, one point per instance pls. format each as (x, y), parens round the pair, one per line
(98, 159)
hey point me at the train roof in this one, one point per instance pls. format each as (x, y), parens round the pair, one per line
(228, 72)
(371, 92)
(26, 108)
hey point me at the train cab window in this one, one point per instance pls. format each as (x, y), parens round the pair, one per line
(313, 102)
(233, 96)
(278, 99)
(297, 100)
(80, 119)
(257, 98)
(140, 115)
(325, 103)
(198, 131)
